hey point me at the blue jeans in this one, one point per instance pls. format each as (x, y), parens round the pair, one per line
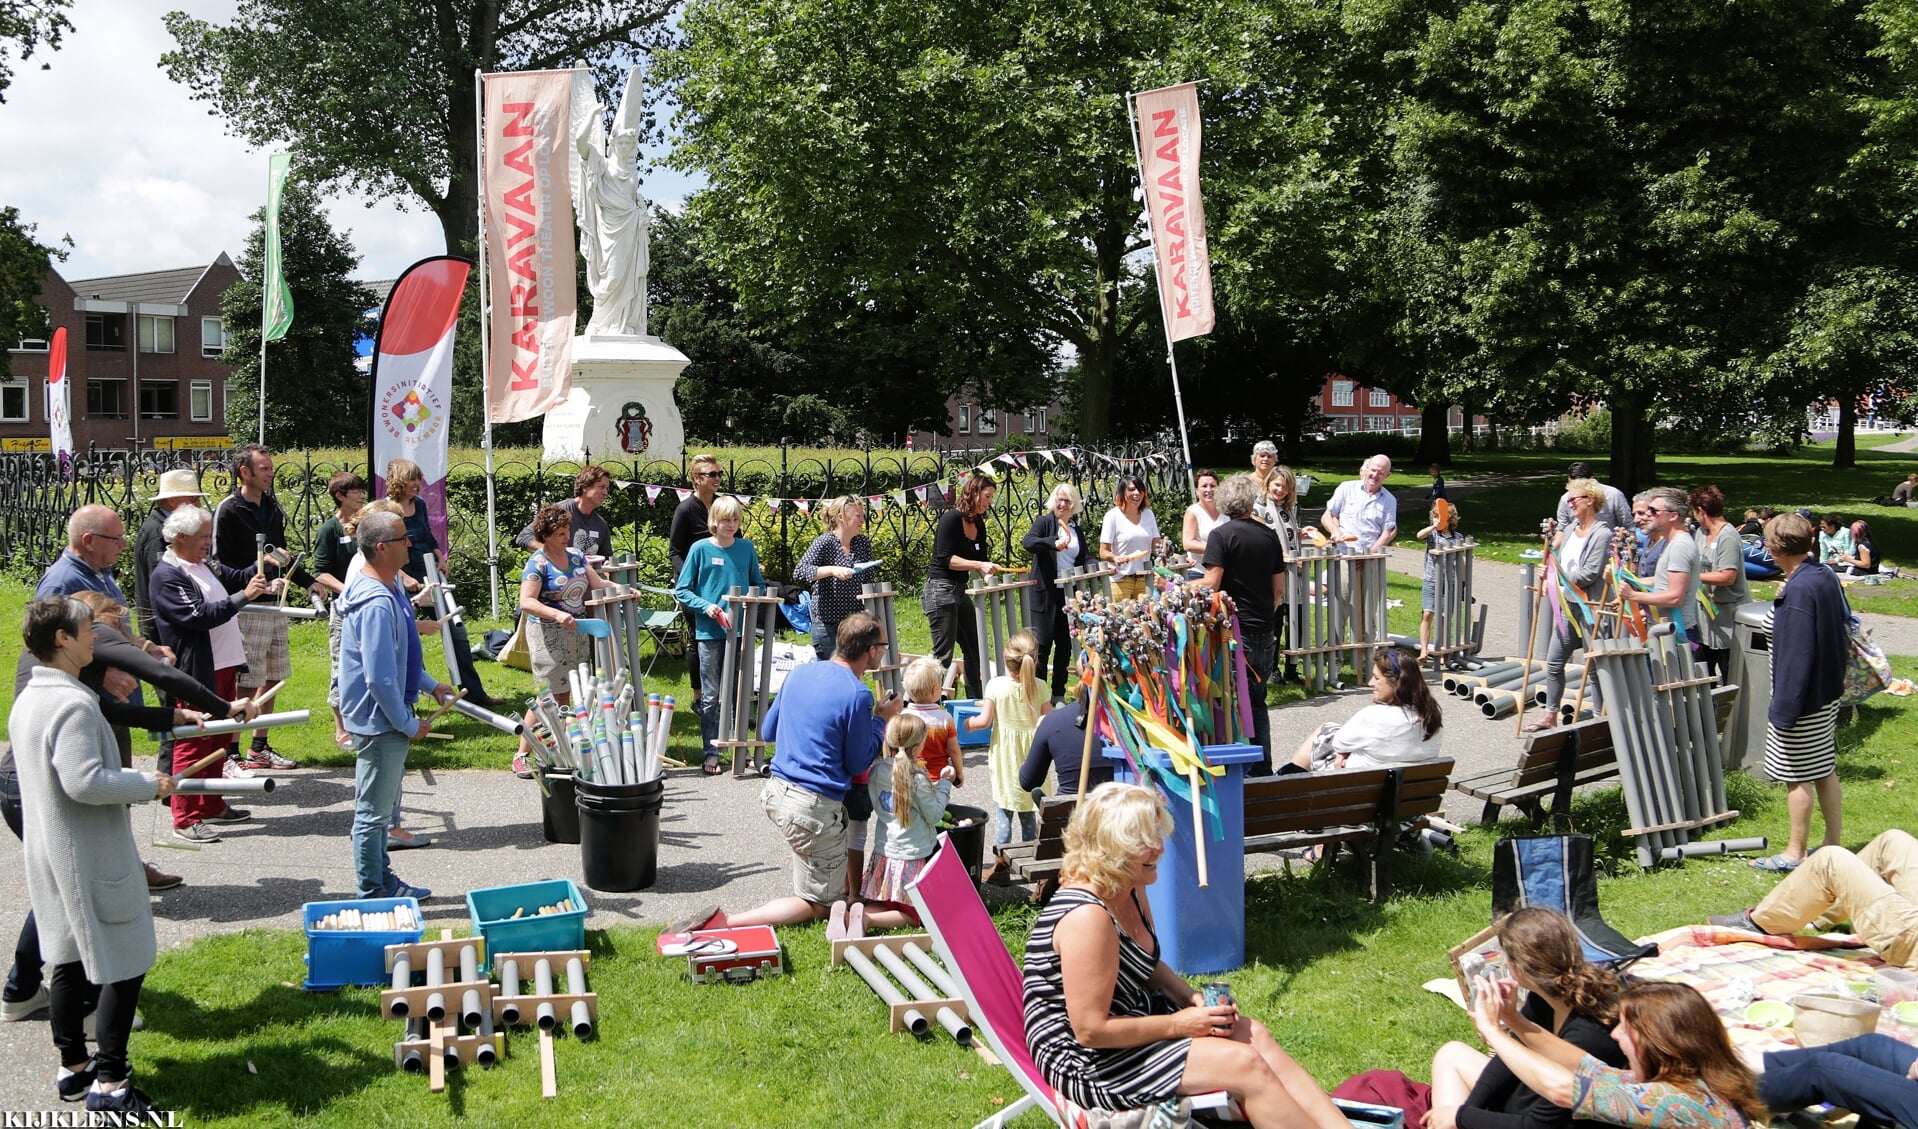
(1002, 826)
(712, 670)
(380, 765)
(1258, 663)
(824, 637)
(1865, 1075)
(24, 977)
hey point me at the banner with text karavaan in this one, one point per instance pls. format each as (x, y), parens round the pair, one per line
(1168, 123)
(530, 245)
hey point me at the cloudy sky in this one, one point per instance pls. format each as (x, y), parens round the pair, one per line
(104, 148)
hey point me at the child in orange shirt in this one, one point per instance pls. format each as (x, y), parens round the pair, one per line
(925, 683)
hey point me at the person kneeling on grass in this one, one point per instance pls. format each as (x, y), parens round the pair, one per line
(1109, 1024)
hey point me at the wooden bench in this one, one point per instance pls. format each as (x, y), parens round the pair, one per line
(1361, 810)
(1556, 761)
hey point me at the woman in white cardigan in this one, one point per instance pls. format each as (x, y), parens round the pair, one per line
(84, 875)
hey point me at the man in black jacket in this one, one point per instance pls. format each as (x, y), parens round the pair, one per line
(177, 488)
(237, 526)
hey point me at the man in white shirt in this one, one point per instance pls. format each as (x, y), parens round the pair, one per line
(1363, 512)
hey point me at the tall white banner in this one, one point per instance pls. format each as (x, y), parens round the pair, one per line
(413, 378)
(530, 248)
(59, 397)
(1169, 170)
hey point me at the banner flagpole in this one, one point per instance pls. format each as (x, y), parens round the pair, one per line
(486, 336)
(1171, 357)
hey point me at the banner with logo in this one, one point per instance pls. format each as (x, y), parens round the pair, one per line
(59, 397)
(413, 377)
(530, 245)
(276, 300)
(1168, 124)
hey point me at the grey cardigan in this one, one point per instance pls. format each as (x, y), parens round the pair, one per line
(84, 878)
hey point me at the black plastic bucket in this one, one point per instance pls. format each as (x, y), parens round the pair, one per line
(619, 833)
(558, 813)
(969, 841)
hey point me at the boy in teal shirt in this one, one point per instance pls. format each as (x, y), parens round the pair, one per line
(714, 566)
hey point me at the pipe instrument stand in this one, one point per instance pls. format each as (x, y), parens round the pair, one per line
(1335, 604)
(746, 673)
(879, 600)
(999, 613)
(925, 990)
(449, 1022)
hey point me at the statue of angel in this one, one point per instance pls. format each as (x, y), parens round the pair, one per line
(614, 222)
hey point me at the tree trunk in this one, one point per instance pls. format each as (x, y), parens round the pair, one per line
(1634, 458)
(1844, 454)
(1469, 412)
(1435, 440)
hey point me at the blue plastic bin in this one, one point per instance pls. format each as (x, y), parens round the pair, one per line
(492, 913)
(1201, 930)
(339, 958)
(961, 709)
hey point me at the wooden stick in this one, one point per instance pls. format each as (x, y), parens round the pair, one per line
(265, 696)
(204, 761)
(459, 692)
(1198, 828)
(1092, 723)
(436, 1060)
(548, 1084)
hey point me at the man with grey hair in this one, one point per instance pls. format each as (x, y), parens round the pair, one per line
(1363, 512)
(1243, 558)
(1675, 576)
(381, 674)
(95, 538)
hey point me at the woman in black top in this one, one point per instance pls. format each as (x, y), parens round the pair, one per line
(959, 546)
(1863, 559)
(1575, 1000)
(1055, 541)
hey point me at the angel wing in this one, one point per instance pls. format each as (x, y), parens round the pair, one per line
(632, 101)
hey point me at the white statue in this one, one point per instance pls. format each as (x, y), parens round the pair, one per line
(613, 218)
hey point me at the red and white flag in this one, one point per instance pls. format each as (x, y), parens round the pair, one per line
(1169, 168)
(59, 397)
(530, 246)
(413, 378)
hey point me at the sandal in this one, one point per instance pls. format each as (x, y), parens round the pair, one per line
(711, 766)
(1542, 725)
(1777, 864)
(697, 920)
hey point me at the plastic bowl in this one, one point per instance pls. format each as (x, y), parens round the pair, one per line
(1769, 1013)
(1906, 1013)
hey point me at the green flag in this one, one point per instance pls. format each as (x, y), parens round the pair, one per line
(276, 316)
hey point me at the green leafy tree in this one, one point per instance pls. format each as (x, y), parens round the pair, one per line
(315, 396)
(24, 26)
(24, 262)
(378, 97)
(1853, 338)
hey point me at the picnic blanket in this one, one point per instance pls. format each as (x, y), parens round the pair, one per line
(1732, 969)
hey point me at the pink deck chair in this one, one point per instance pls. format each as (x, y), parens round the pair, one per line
(993, 986)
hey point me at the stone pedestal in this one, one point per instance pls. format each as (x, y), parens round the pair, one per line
(622, 404)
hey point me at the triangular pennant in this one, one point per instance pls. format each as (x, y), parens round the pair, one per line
(803, 505)
(623, 484)
(745, 499)
(876, 504)
(1007, 459)
(652, 493)
(1070, 454)
(899, 497)
(684, 492)
(924, 492)
(772, 503)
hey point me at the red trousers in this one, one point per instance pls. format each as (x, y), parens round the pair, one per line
(189, 810)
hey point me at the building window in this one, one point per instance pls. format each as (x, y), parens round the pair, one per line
(1032, 423)
(156, 334)
(1341, 393)
(106, 331)
(159, 399)
(212, 337)
(987, 424)
(965, 419)
(107, 399)
(1042, 421)
(1381, 398)
(13, 402)
(200, 401)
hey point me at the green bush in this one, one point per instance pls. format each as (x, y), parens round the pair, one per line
(1589, 436)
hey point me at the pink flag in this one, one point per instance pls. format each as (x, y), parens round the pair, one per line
(529, 243)
(59, 398)
(1169, 168)
(652, 493)
(683, 492)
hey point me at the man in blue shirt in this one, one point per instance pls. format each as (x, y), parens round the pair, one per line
(826, 730)
(95, 537)
(381, 673)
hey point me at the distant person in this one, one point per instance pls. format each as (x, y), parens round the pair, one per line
(1202, 516)
(591, 534)
(1834, 539)
(1441, 534)
(1903, 494)
(1674, 590)
(1128, 537)
(1863, 558)
(1721, 577)
(831, 565)
(690, 525)
(959, 546)
(1057, 544)
(1265, 460)
(1437, 490)
(177, 488)
(405, 484)
(1615, 510)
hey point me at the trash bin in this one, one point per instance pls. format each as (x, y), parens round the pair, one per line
(558, 810)
(1749, 669)
(619, 833)
(1201, 930)
(969, 841)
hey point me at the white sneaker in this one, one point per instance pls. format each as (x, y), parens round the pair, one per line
(33, 1007)
(232, 770)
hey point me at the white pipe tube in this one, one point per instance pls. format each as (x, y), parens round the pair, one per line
(508, 988)
(882, 987)
(576, 986)
(218, 786)
(264, 721)
(547, 1016)
(282, 609)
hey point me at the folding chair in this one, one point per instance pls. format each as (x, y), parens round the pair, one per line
(993, 986)
(665, 627)
(1557, 872)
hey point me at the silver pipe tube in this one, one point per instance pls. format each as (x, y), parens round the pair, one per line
(729, 665)
(282, 609)
(509, 988)
(946, 1017)
(435, 976)
(264, 721)
(576, 986)
(923, 961)
(487, 1053)
(882, 987)
(511, 726)
(219, 786)
(547, 1017)
(412, 1061)
(402, 980)
(1716, 847)
(1624, 736)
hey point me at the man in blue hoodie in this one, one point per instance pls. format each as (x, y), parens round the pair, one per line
(381, 674)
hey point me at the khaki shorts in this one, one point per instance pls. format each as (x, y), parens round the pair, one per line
(815, 829)
(556, 650)
(264, 636)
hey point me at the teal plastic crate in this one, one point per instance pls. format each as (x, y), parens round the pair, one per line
(492, 913)
(339, 958)
(961, 709)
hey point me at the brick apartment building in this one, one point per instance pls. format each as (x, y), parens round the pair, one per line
(143, 362)
(1351, 406)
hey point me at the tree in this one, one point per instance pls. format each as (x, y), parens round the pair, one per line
(24, 26)
(379, 97)
(1852, 338)
(955, 162)
(24, 262)
(316, 396)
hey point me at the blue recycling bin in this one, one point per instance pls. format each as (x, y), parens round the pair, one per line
(1201, 930)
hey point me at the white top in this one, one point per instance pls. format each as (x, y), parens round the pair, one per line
(1068, 557)
(1574, 547)
(229, 650)
(1207, 523)
(1127, 537)
(1361, 515)
(1382, 736)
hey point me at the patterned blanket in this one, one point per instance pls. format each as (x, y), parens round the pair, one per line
(1732, 969)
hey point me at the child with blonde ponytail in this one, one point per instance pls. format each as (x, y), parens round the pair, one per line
(909, 806)
(1013, 705)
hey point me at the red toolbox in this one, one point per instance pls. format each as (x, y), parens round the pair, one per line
(734, 956)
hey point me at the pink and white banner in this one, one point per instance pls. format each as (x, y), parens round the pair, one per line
(413, 378)
(59, 398)
(1168, 126)
(530, 245)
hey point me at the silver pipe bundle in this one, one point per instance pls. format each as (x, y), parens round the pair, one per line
(235, 725)
(582, 1018)
(999, 613)
(920, 990)
(1462, 683)
(752, 629)
(882, 987)
(1335, 605)
(1094, 578)
(605, 735)
(218, 786)
(1452, 628)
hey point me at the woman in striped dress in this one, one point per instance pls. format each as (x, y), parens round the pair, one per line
(1809, 640)
(1113, 1027)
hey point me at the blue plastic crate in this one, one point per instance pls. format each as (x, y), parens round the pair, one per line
(961, 709)
(492, 913)
(339, 958)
